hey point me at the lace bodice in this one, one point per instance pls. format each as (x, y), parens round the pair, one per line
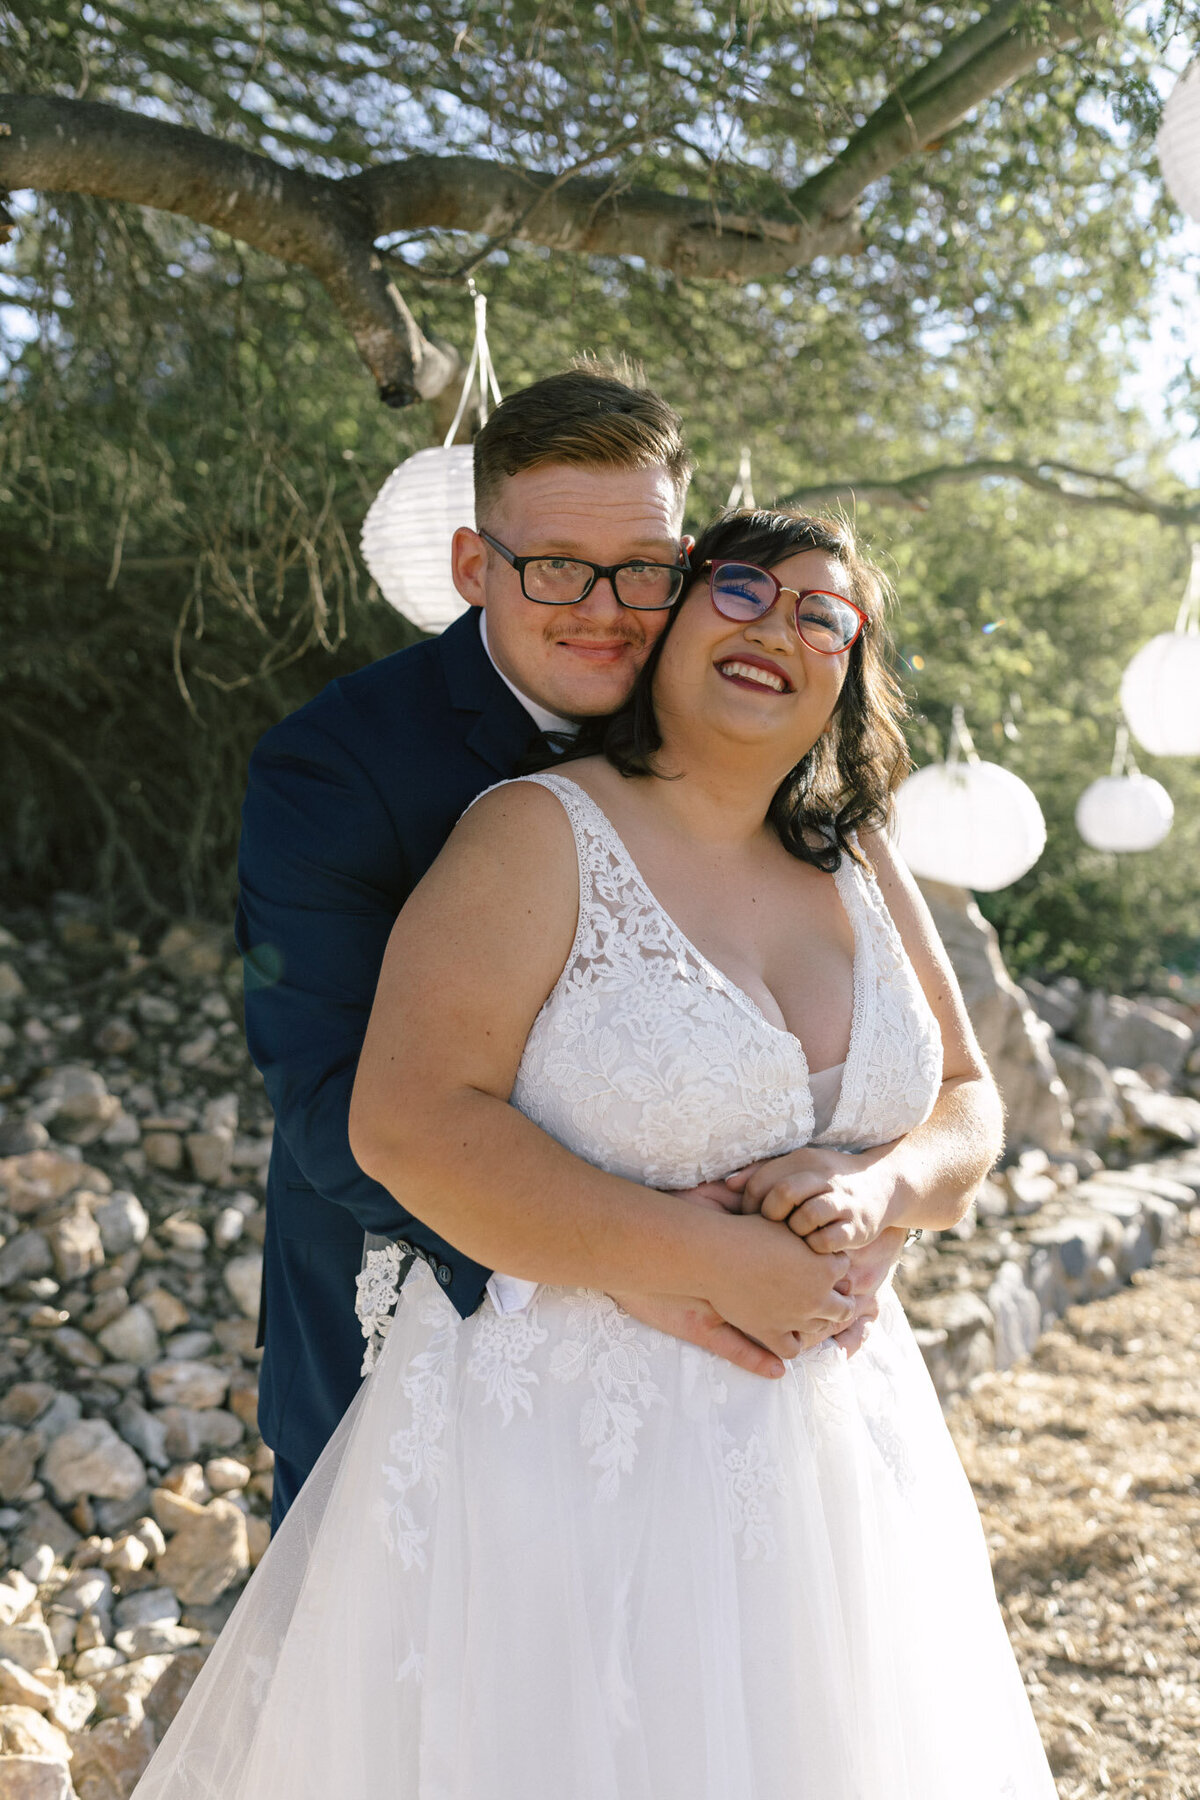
(651, 1063)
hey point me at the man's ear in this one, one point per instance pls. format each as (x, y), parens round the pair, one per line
(468, 565)
(688, 542)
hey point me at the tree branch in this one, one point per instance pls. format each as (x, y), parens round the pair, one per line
(913, 492)
(330, 226)
(82, 147)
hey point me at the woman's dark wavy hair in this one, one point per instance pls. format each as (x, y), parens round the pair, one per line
(847, 780)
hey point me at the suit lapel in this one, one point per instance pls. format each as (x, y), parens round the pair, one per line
(502, 730)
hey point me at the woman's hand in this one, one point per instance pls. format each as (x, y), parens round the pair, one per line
(834, 1199)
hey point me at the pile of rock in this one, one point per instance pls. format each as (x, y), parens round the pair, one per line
(134, 1489)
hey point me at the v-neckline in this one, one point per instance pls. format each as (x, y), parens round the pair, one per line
(726, 982)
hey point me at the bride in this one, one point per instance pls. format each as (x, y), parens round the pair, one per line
(551, 1553)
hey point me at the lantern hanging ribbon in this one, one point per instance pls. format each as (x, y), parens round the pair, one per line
(742, 493)
(1125, 810)
(972, 824)
(1160, 689)
(407, 534)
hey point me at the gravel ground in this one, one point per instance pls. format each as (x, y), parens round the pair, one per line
(1085, 1460)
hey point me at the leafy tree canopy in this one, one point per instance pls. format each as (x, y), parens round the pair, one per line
(189, 441)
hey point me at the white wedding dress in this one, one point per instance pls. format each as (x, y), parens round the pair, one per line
(552, 1554)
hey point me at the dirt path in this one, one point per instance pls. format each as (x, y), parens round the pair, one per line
(1086, 1464)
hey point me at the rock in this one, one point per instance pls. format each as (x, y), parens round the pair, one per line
(35, 1777)
(185, 1234)
(224, 1474)
(958, 1339)
(160, 1639)
(243, 1278)
(173, 1510)
(40, 1180)
(1058, 1006)
(72, 1706)
(229, 1226)
(193, 1384)
(1126, 1033)
(197, 1048)
(193, 1432)
(155, 1009)
(29, 1644)
(19, 1452)
(194, 949)
(17, 1595)
(25, 1257)
(90, 1663)
(1012, 1037)
(149, 1606)
(75, 1101)
(24, 1732)
(116, 1037)
(189, 1346)
(40, 1566)
(172, 1687)
(75, 1242)
(122, 1222)
(65, 1410)
(74, 1348)
(1172, 1118)
(18, 1136)
(25, 1401)
(1095, 1102)
(168, 1312)
(110, 1759)
(1028, 1193)
(163, 1150)
(146, 1433)
(127, 1556)
(44, 1524)
(207, 1554)
(18, 1687)
(11, 985)
(89, 1590)
(211, 1153)
(132, 1337)
(121, 1691)
(1016, 1312)
(90, 1632)
(258, 1532)
(89, 1458)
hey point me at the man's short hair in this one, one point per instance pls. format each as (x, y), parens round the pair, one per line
(593, 415)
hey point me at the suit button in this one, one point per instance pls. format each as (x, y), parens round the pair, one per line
(445, 1274)
(403, 1246)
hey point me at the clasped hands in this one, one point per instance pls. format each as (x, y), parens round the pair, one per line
(839, 1203)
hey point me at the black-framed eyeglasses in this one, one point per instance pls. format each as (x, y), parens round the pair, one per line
(566, 580)
(827, 623)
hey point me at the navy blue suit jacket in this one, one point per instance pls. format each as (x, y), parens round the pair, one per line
(349, 800)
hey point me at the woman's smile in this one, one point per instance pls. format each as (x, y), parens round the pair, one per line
(755, 672)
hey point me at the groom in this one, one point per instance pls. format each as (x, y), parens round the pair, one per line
(350, 799)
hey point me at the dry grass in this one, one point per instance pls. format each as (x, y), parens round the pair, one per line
(1086, 1464)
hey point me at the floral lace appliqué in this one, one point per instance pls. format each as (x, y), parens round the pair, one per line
(378, 1285)
(602, 1345)
(415, 1452)
(500, 1351)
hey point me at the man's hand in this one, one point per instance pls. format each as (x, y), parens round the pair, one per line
(696, 1322)
(870, 1267)
(834, 1199)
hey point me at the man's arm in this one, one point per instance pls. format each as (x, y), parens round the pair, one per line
(321, 878)
(471, 960)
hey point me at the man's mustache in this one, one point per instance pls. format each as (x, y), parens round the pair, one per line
(634, 638)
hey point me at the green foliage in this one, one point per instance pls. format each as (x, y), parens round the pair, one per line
(189, 443)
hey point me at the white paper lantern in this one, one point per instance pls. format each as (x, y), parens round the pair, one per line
(1124, 812)
(967, 822)
(1179, 141)
(1160, 689)
(406, 535)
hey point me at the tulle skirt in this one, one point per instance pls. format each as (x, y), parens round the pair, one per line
(555, 1555)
